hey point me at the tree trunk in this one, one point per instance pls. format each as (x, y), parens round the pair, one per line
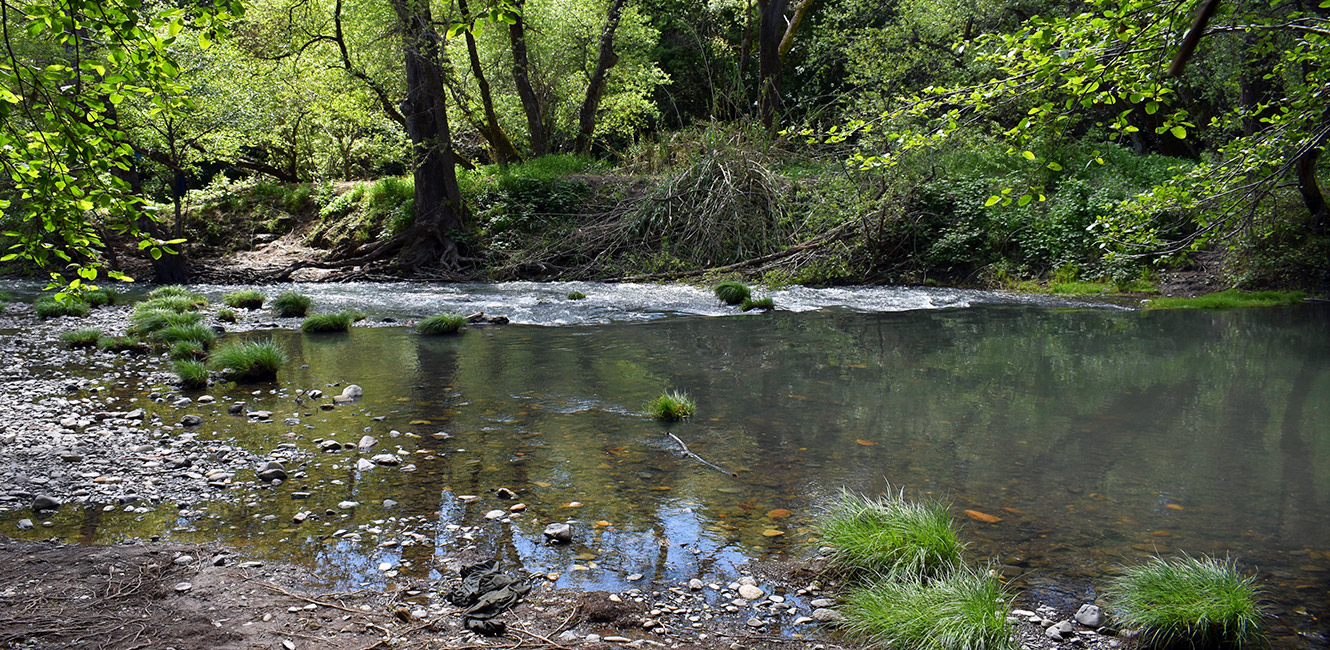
(438, 200)
(770, 31)
(535, 114)
(1309, 188)
(504, 151)
(586, 123)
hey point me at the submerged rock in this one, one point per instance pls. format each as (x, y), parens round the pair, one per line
(559, 533)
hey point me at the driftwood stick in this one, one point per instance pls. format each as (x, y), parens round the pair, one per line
(688, 452)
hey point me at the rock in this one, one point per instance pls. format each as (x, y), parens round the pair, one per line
(696, 584)
(1023, 613)
(43, 503)
(367, 442)
(593, 638)
(505, 493)
(567, 636)
(749, 592)
(755, 622)
(182, 587)
(347, 505)
(182, 402)
(558, 533)
(273, 471)
(386, 459)
(364, 464)
(1060, 631)
(316, 394)
(25, 524)
(136, 414)
(1090, 615)
(748, 580)
(496, 514)
(824, 615)
(330, 446)
(260, 415)
(236, 409)
(804, 619)
(633, 577)
(206, 399)
(352, 392)
(822, 602)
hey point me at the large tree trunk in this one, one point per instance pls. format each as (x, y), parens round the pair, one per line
(438, 200)
(1310, 189)
(586, 122)
(770, 32)
(535, 113)
(504, 151)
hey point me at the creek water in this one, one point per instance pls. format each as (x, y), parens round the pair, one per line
(1097, 436)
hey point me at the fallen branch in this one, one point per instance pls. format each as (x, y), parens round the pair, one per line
(826, 238)
(688, 452)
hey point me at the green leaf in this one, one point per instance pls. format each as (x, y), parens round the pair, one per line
(992, 200)
(1179, 132)
(1055, 167)
(1024, 200)
(204, 41)
(1029, 155)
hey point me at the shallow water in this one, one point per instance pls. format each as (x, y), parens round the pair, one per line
(1099, 436)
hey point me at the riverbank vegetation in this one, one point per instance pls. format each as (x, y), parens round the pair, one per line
(671, 406)
(442, 324)
(1188, 601)
(912, 141)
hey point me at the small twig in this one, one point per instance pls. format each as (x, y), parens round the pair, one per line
(533, 634)
(688, 452)
(560, 627)
(315, 601)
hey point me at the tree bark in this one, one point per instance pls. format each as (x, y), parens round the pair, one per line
(1305, 166)
(438, 200)
(770, 32)
(535, 113)
(504, 151)
(586, 122)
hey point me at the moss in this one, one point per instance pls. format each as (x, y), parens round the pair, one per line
(1230, 299)
(442, 324)
(576, 295)
(671, 406)
(292, 304)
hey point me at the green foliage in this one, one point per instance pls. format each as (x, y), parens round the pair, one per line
(188, 349)
(961, 609)
(765, 304)
(244, 299)
(671, 406)
(250, 361)
(890, 536)
(197, 333)
(732, 292)
(292, 304)
(5, 297)
(576, 295)
(191, 374)
(528, 197)
(147, 321)
(100, 297)
(378, 209)
(1229, 299)
(121, 344)
(339, 322)
(442, 324)
(50, 307)
(1189, 602)
(226, 315)
(171, 291)
(81, 338)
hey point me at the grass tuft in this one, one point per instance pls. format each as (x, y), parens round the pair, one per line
(198, 333)
(292, 304)
(961, 609)
(121, 344)
(671, 406)
(49, 307)
(188, 350)
(732, 293)
(890, 536)
(244, 299)
(192, 374)
(147, 321)
(226, 315)
(442, 324)
(81, 338)
(576, 295)
(100, 297)
(316, 323)
(1230, 299)
(250, 360)
(765, 304)
(1188, 602)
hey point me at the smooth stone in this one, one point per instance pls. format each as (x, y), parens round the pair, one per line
(803, 619)
(696, 584)
(236, 409)
(386, 459)
(1059, 631)
(352, 392)
(43, 502)
(389, 504)
(182, 587)
(633, 577)
(25, 524)
(191, 420)
(749, 592)
(567, 636)
(182, 402)
(557, 533)
(822, 602)
(364, 464)
(367, 442)
(505, 493)
(1090, 615)
(755, 622)
(825, 615)
(496, 514)
(347, 505)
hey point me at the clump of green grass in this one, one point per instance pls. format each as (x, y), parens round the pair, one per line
(315, 323)
(250, 360)
(292, 304)
(81, 338)
(172, 291)
(49, 307)
(226, 315)
(671, 406)
(121, 344)
(765, 304)
(192, 374)
(147, 321)
(442, 324)
(1230, 299)
(5, 297)
(890, 536)
(198, 333)
(356, 315)
(178, 304)
(1186, 601)
(188, 350)
(960, 609)
(731, 292)
(244, 299)
(576, 295)
(100, 297)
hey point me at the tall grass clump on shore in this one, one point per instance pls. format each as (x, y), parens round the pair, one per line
(100, 297)
(961, 609)
(244, 299)
(81, 338)
(1188, 602)
(1231, 299)
(765, 304)
(121, 344)
(316, 323)
(49, 307)
(731, 292)
(890, 536)
(250, 360)
(147, 321)
(671, 406)
(201, 334)
(292, 304)
(192, 374)
(442, 324)
(188, 350)
(226, 315)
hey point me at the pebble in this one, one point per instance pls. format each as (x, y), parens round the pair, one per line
(347, 505)
(696, 584)
(1059, 631)
(182, 587)
(25, 524)
(557, 532)
(43, 503)
(750, 592)
(755, 622)
(497, 514)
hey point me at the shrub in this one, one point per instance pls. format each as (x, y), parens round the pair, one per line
(121, 344)
(671, 406)
(192, 374)
(766, 304)
(442, 324)
(226, 315)
(1186, 601)
(250, 360)
(146, 321)
(890, 536)
(187, 350)
(576, 295)
(81, 338)
(732, 293)
(292, 304)
(49, 307)
(201, 334)
(339, 322)
(244, 299)
(961, 609)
